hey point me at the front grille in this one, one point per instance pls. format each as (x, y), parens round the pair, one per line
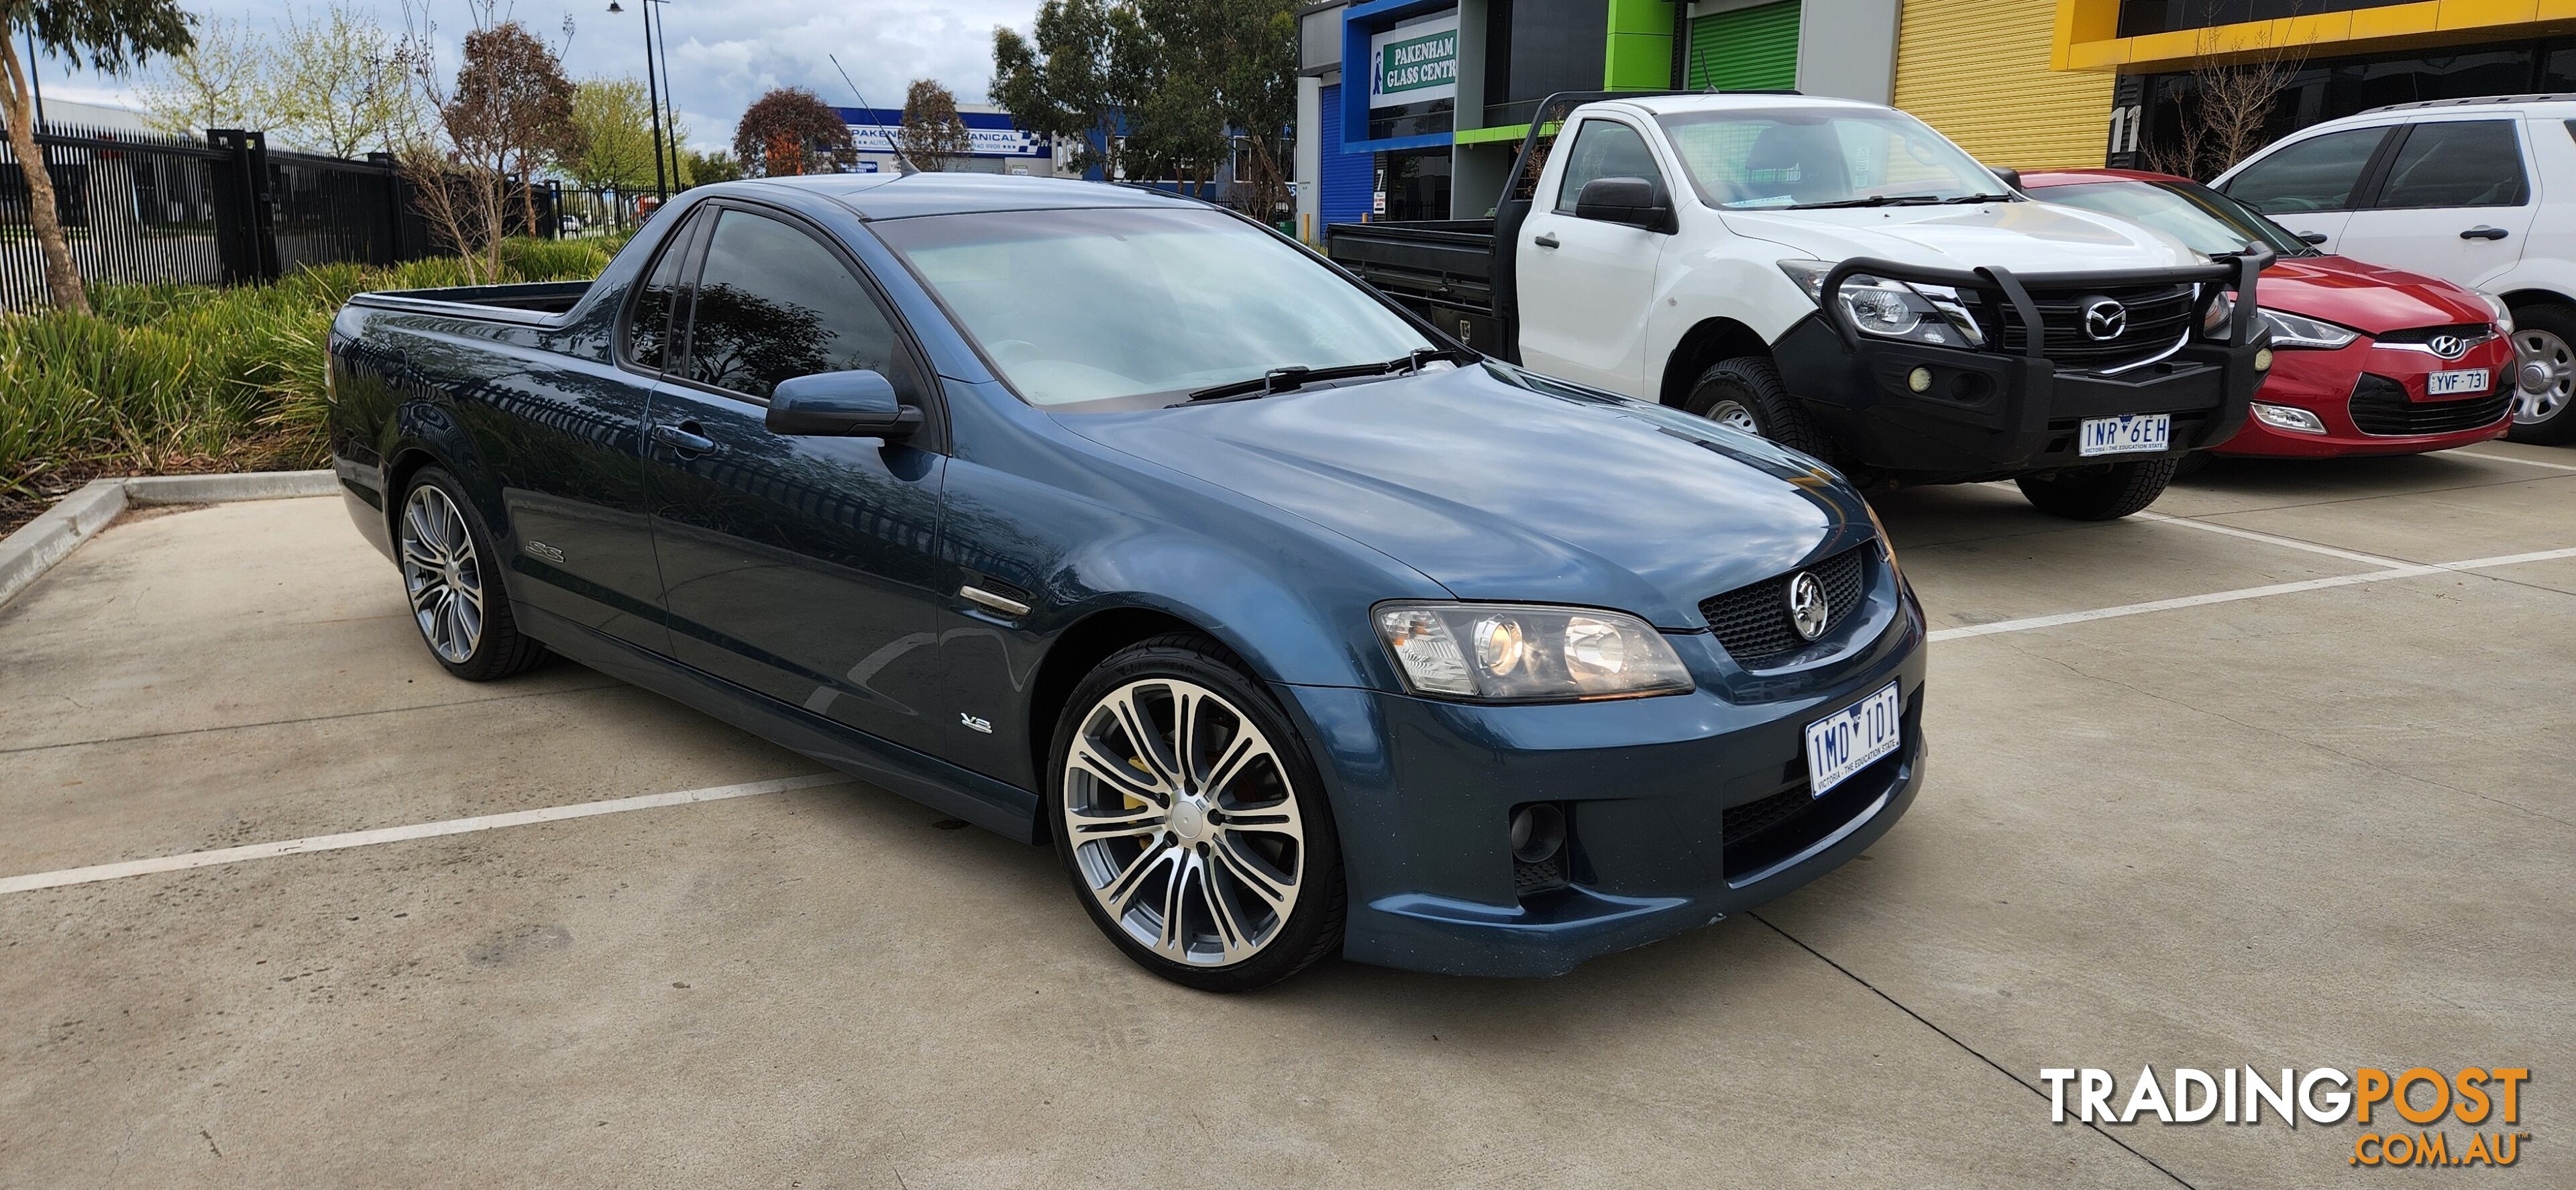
(2380, 406)
(1738, 825)
(2157, 318)
(1752, 622)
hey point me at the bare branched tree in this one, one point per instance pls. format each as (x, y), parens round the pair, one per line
(2227, 114)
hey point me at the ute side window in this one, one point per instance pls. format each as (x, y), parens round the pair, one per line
(772, 304)
(2313, 175)
(2464, 163)
(647, 338)
(1605, 149)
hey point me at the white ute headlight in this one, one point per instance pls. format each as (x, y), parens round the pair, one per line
(2291, 330)
(1893, 309)
(1514, 652)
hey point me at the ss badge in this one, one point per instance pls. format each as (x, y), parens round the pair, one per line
(982, 725)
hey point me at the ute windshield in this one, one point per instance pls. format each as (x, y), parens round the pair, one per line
(1752, 158)
(2195, 214)
(1134, 307)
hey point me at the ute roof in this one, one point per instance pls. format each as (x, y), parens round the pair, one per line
(897, 196)
(1723, 101)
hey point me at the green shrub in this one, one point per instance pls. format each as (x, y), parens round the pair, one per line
(188, 376)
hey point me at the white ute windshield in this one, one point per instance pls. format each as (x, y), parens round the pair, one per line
(1755, 158)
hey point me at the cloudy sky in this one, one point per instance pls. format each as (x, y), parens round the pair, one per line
(723, 53)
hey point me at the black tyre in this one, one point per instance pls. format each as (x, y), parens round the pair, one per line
(1191, 821)
(453, 577)
(2102, 492)
(1746, 393)
(2544, 398)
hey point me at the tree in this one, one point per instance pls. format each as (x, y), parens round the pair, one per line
(614, 121)
(1253, 60)
(1088, 65)
(508, 108)
(788, 131)
(112, 36)
(2227, 112)
(932, 136)
(221, 81)
(513, 101)
(708, 168)
(338, 83)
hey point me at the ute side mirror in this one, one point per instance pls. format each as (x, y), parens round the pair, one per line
(1636, 202)
(857, 404)
(2011, 176)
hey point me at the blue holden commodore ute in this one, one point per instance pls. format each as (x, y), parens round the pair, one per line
(1124, 525)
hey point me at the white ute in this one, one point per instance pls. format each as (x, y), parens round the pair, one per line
(1838, 277)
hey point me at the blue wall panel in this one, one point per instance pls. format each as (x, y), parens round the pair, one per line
(1347, 176)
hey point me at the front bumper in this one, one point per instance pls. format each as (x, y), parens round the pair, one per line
(2322, 382)
(1988, 414)
(1423, 792)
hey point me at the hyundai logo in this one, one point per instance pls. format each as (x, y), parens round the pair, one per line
(2104, 319)
(2449, 346)
(1808, 612)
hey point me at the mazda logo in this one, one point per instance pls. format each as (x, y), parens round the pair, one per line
(2105, 318)
(2449, 346)
(1808, 612)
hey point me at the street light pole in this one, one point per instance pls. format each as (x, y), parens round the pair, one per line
(670, 96)
(653, 100)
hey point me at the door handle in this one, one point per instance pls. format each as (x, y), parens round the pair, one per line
(1545, 240)
(2313, 237)
(2484, 233)
(684, 438)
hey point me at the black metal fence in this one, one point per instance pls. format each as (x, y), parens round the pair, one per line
(143, 207)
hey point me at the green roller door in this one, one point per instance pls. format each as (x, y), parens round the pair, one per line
(1749, 49)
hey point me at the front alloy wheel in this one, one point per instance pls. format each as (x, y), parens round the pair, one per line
(1190, 820)
(1183, 823)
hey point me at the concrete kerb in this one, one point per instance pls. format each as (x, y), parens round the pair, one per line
(34, 549)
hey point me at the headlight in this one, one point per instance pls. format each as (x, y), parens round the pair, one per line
(2291, 330)
(1511, 652)
(1886, 544)
(2503, 313)
(1893, 309)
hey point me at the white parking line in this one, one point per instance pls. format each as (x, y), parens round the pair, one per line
(2462, 454)
(2314, 584)
(2269, 539)
(396, 834)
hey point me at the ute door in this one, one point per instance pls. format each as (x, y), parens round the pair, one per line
(2310, 186)
(1585, 285)
(570, 458)
(2456, 203)
(799, 567)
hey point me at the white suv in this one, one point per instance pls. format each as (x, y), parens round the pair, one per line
(2481, 192)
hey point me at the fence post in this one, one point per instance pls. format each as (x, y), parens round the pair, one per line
(245, 215)
(393, 199)
(554, 209)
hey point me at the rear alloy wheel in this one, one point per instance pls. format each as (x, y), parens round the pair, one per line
(453, 587)
(1745, 393)
(1189, 820)
(2102, 492)
(2544, 391)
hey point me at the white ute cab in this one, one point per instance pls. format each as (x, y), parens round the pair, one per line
(1838, 277)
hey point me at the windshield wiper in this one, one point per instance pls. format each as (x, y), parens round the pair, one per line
(1875, 200)
(1969, 198)
(1296, 376)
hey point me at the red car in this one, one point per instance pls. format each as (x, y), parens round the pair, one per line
(2367, 360)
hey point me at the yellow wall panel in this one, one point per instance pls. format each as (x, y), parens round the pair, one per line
(2396, 20)
(1978, 70)
(2476, 14)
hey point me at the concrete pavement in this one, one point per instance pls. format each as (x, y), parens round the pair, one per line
(2323, 828)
